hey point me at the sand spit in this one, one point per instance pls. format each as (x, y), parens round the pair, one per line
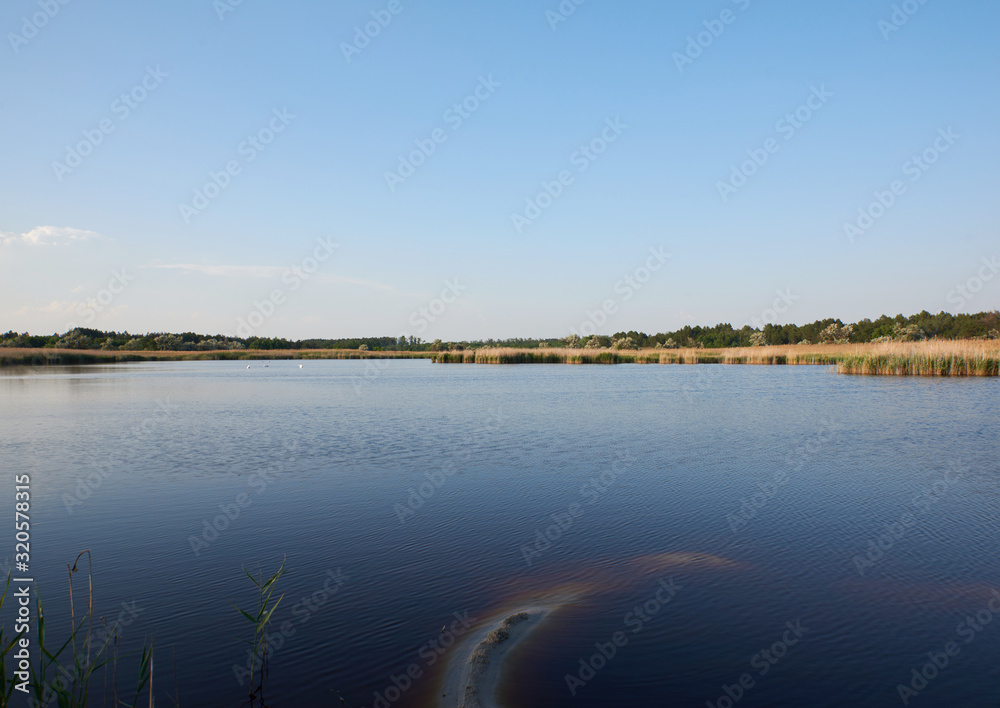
(472, 673)
(473, 676)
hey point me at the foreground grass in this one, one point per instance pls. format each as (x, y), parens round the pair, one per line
(931, 358)
(64, 675)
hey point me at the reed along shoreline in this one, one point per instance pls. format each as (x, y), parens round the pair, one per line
(929, 358)
(938, 358)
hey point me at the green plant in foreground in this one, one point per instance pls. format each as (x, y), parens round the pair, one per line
(68, 686)
(260, 620)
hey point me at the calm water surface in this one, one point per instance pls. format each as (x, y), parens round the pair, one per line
(863, 512)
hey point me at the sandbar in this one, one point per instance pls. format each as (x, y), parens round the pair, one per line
(475, 669)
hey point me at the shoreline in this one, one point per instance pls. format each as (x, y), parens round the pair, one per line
(475, 670)
(934, 358)
(75, 357)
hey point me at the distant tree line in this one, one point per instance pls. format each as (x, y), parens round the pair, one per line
(984, 325)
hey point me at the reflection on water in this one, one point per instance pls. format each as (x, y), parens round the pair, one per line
(422, 487)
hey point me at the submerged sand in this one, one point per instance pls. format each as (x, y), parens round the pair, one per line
(475, 670)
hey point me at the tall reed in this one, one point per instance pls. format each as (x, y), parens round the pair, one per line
(69, 683)
(929, 358)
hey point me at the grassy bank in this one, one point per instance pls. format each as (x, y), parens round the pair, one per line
(933, 358)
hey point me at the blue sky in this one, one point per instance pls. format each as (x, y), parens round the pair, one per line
(312, 119)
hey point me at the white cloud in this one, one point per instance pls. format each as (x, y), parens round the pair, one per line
(56, 307)
(48, 236)
(230, 271)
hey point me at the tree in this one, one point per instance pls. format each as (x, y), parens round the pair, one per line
(75, 339)
(907, 333)
(835, 334)
(168, 342)
(626, 342)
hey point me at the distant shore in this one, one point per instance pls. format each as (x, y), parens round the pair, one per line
(56, 357)
(926, 358)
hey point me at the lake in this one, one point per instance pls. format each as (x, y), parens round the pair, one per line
(752, 536)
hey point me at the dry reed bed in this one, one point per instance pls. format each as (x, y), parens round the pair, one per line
(931, 358)
(934, 358)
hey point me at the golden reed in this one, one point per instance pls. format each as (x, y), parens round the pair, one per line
(929, 358)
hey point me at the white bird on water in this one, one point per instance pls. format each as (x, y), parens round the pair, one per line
(248, 366)
(300, 366)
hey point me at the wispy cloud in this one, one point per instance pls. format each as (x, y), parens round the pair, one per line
(225, 270)
(245, 271)
(56, 307)
(49, 236)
